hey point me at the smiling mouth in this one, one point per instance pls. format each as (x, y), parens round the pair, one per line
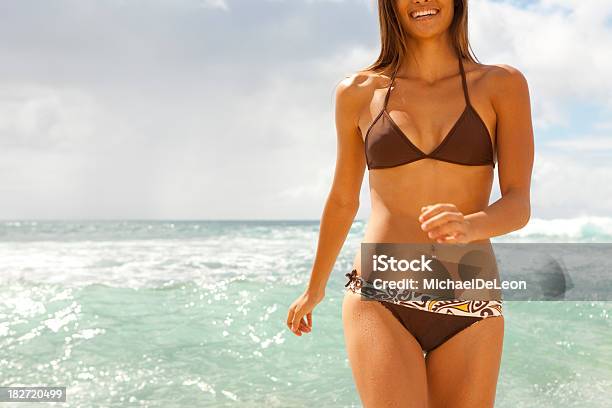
(424, 14)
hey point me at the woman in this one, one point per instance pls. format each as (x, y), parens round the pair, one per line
(428, 121)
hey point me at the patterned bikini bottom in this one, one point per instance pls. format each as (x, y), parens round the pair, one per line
(428, 303)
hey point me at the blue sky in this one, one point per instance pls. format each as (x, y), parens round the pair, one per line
(224, 109)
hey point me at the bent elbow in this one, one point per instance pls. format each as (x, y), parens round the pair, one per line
(525, 216)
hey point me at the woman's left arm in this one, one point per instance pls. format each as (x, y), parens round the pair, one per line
(515, 153)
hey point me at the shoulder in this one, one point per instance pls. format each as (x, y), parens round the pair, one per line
(506, 82)
(359, 85)
(506, 75)
(356, 89)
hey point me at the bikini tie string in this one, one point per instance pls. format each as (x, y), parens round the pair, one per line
(354, 280)
(351, 276)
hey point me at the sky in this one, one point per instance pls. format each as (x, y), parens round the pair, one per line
(223, 109)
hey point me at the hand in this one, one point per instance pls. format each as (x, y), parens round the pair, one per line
(302, 306)
(445, 224)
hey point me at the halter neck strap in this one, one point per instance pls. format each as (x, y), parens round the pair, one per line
(463, 80)
(389, 88)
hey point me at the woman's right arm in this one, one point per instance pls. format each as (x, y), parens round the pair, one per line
(341, 205)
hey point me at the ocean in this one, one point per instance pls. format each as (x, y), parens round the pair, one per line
(192, 313)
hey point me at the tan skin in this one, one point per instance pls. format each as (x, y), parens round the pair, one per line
(423, 201)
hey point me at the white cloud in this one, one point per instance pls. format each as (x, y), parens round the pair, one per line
(599, 144)
(172, 112)
(45, 118)
(568, 185)
(345, 62)
(215, 4)
(562, 47)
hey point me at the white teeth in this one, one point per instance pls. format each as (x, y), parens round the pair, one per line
(421, 13)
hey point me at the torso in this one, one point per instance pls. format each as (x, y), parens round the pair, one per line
(426, 114)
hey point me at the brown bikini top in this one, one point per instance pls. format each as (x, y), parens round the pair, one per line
(467, 143)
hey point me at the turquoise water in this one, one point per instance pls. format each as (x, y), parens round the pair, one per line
(173, 314)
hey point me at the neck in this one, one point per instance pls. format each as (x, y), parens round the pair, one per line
(429, 61)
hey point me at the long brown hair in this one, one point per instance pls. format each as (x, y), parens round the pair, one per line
(391, 35)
